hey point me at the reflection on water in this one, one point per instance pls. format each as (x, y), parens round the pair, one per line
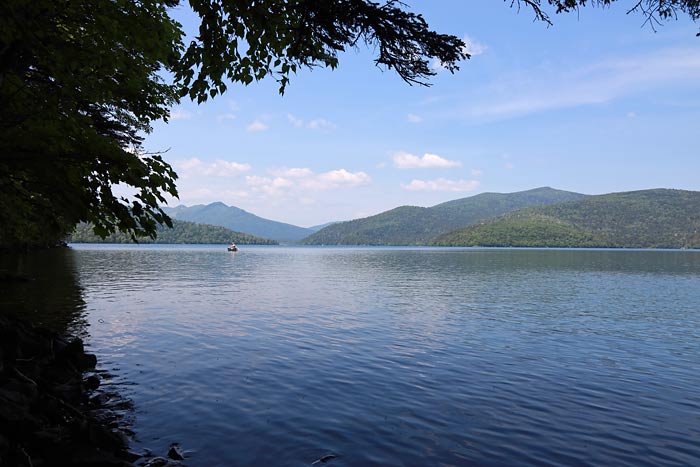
(279, 356)
(43, 287)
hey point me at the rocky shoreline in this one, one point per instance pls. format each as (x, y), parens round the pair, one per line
(51, 410)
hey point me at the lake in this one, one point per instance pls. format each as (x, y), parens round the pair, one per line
(389, 356)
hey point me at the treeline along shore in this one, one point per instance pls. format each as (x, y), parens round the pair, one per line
(541, 217)
(181, 232)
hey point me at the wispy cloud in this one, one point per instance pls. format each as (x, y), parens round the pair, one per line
(294, 172)
(315, 124)
(295, 122)
(320, 124)
(231, 114)
(404, 160)
(256, 126)
(441, 184)
(267, 185)
(219, 168)
(413, 118)
(473, 47)
(180, 114)
(223, 117)
(544, 88)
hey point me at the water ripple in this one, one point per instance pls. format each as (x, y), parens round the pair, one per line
(406, 357)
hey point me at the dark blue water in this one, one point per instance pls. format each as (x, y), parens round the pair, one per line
(416, 357)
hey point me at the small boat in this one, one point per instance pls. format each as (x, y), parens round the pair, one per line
(232, 248)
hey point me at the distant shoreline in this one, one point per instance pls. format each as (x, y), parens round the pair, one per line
(387, 247)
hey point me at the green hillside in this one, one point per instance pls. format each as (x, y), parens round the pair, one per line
(411, 225)
(658, 218)
(182, 232)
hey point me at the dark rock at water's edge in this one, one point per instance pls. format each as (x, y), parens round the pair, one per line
(175, 453)
(325, 459)
(47, 417)
(29, 247)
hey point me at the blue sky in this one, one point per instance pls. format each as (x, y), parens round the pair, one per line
(597, 103)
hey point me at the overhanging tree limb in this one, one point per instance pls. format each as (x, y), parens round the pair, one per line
(654, 11)
(244, 41)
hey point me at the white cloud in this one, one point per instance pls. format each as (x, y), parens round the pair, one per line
(631, 115)
(256, 126)
(270, 186)
(256, 180)
(231, 115)
(476, 172)
(295, 181)
(223, 117)
(294, 172)
(441, 184)
(320, 124)
(295, 122)
(316, 124)
(508, 166)
(344, 178)
(219, 168)
(404, 160)
(413, 118)
(180, 114)
(473, 47)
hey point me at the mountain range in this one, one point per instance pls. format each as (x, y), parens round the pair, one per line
(659, 218)
(412, 225)
(541, 217)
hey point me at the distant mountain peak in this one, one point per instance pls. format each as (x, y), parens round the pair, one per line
(239, 220)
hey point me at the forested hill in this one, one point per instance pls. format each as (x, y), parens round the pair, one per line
(411, 225)
(239, 220)
(658, 218)
(182, 232)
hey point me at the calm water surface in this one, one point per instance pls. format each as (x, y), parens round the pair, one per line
(279, 356)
